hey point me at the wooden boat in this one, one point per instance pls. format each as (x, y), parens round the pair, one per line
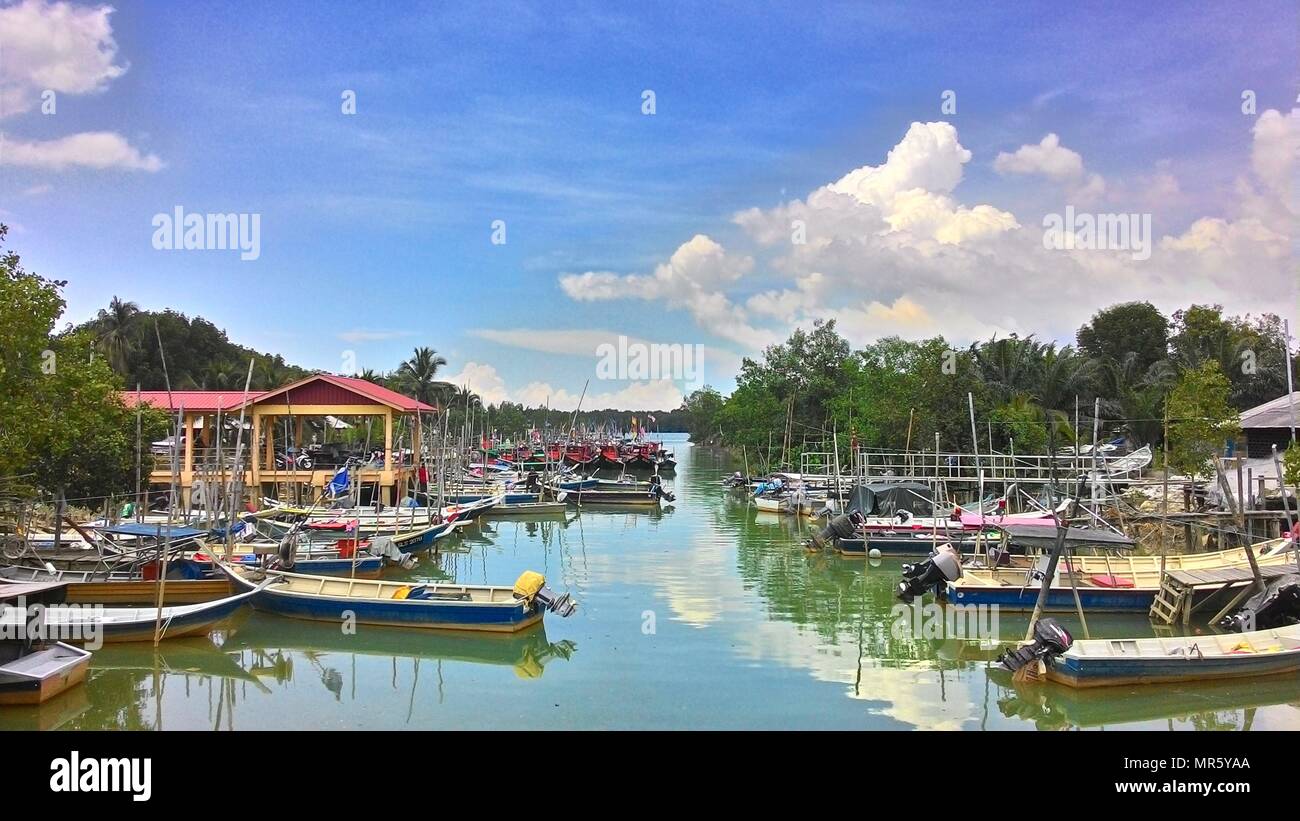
(509, 511)
(1110, 583)
(34, 670)
(120, 588)
(82, 624)
(441, 607)
(637, 498)
(1209, 657)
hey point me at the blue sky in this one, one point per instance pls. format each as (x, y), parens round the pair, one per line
(376, 227)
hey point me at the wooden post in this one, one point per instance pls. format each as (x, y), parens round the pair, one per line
(1047, 581)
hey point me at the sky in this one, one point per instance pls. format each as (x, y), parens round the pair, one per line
(518, 184)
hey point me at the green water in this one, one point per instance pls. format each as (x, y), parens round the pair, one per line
(705, 615)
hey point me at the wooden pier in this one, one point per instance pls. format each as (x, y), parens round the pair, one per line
(1176, 600)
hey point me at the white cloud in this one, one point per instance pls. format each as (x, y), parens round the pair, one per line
(56, 46)
(92, 149)
(37, 190)
(891, 249)
(1048, 158)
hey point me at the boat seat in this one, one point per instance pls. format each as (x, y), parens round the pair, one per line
(1108, 580)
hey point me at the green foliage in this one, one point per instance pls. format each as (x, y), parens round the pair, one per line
(1136, 328)
(1291, 466)
(63, 425)
(199, 355)
(1200, 418)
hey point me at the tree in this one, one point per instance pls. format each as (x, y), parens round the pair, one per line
(1129, 327)
(702, 408)
(118, 332)
(1200, 419)
(419, 375)
(63, 424)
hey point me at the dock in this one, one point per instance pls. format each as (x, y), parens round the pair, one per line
(1179, 589)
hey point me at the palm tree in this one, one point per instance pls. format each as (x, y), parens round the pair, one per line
(270, 373)
(419, 374)
(117, 332)
(371, 375)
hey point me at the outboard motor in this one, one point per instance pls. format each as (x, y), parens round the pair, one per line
(1277, 605)
(531, 586)
(657, 489)
(287, 550)
(1050, 639)
(942, 567)
(843, 526)
(533, 482)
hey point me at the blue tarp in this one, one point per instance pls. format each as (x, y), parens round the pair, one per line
(145, 529)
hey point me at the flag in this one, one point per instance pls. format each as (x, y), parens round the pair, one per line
(339, 484)
(651, 418)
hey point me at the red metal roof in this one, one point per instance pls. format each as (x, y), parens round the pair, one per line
(304, 391)
(197, 401)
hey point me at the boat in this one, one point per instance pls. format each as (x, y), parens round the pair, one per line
(402, 604)
(81, 624)
(509, 511)
(1105, 583)
(121, 588)
(33, 669)
(1208, 657)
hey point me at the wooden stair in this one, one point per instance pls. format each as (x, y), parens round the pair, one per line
(1172, 601)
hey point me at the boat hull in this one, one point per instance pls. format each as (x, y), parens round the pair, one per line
(1109, 672)
(64, 668)
(1059, 599)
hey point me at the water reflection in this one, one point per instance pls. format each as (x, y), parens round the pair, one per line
(709, 614)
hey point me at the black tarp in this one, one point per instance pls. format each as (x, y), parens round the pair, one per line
(887, 498)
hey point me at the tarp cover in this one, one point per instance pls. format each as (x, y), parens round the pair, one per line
(887, 498)
(146, 529)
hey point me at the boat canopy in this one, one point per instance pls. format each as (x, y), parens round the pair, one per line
(1044, 538)
(888, 498)
(145, 529)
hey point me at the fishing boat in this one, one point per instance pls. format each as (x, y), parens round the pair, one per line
(402, 604)
(34, 670)
(77, 623)
(1105, 583)
(527, 509)
(1207, 657)
(123, 587)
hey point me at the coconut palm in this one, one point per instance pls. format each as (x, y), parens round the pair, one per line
(117, 332)
(419, 375)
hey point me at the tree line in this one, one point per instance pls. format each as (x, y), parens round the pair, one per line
(1130, 361)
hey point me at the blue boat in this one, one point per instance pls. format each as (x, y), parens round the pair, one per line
(1060, 598)
(402, 604)
(1207, 657)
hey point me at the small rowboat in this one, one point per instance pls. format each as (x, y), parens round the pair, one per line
(35, 671)
(1107, 662)
(399, 604)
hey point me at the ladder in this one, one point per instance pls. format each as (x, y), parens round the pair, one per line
(1172, 601)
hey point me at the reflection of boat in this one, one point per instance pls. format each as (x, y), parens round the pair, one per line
(195, 656)
(528, 651)
(48, 715)
(1107, 662)
(1052, 705)
(398, 604)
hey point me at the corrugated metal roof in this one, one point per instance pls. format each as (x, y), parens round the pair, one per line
(212, 401)
(197, 401)
(1275, 413)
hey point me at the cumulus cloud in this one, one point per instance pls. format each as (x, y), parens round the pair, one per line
(92, 149)
(57, 46)
(1048, 158)
(892, 249)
